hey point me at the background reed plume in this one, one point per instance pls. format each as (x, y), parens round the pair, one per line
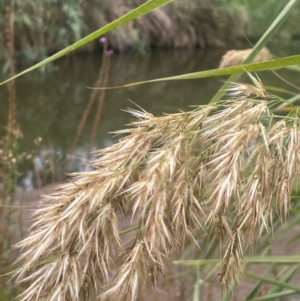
(224, 168)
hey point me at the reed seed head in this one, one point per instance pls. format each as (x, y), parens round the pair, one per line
(220, 167)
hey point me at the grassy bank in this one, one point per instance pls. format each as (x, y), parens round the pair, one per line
(44, 29)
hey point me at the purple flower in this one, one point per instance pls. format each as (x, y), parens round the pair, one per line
(103, 40)
(109, 52)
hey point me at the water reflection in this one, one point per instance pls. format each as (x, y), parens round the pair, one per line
(50, 106)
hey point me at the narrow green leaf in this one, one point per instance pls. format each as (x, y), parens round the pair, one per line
(257, 285)
(133, 228)
(275, 296)
(213, 271)
(294, 68)
(250, 260)
(280, 90)
(273, 64)
(228, 294)
(288, 102)
(184, 273)
(196, 294)
(278, 235)
(271, 281)
(139, 11)
(286, 277)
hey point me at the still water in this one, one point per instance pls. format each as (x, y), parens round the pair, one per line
(50, 105)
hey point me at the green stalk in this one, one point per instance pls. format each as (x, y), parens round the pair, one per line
(249, 260)
(279, 283)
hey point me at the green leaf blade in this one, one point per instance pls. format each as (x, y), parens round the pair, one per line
(138, 12)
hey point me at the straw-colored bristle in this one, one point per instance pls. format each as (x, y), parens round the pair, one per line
(218, 167)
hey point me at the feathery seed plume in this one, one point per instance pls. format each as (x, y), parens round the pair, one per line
(218, 167)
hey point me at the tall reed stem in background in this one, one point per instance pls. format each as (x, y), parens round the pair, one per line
(8, 165)
(101, 80)
(10, 47)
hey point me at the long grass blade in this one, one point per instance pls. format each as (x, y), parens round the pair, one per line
(279, 234)
(139, 11)
(286, 278)
(253, 67)
(248, 260)
(280, 284)
(196, 294)
(275, 296)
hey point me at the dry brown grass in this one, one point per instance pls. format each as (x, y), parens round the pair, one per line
(224, 168)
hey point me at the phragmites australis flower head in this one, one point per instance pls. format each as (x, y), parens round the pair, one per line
(239, 90)
(218, 167)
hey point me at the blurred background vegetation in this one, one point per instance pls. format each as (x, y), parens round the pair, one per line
(46, 26)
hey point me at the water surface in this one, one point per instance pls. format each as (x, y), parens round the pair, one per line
(50, 105)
